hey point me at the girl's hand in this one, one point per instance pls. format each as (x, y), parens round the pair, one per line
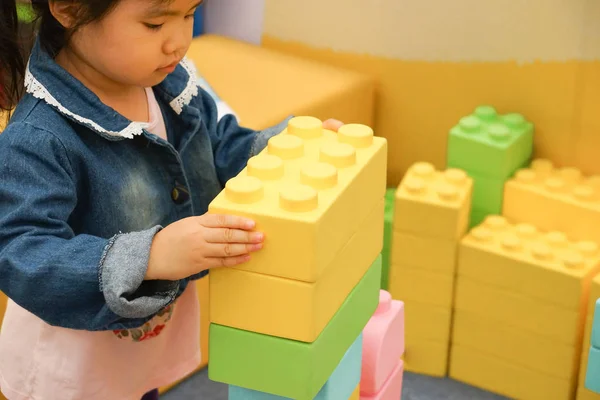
(195, 244)
(333, 124)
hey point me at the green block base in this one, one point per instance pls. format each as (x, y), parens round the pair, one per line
(390, 198)
(286, 367)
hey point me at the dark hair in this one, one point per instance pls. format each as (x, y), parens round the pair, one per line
(52, 35)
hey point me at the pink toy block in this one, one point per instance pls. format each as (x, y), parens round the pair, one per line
(392, 388)
(383, 344)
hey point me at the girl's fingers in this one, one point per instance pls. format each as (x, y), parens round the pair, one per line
(226, 221)
(229, 235)
(217, 262)
(228, 250)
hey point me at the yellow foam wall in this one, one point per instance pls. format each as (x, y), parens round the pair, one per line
(436, 60)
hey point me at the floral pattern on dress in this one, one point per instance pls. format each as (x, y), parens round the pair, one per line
(150, 329)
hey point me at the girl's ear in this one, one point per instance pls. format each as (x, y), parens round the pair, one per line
(65, 12)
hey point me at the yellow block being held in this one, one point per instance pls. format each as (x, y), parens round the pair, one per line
(293, 309)
(301, 191)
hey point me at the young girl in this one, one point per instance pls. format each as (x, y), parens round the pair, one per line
(107, 168)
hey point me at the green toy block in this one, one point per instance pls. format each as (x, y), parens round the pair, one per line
(286, 367)
(390, 199)
(488, 193)
(490, 144)
(478, 216)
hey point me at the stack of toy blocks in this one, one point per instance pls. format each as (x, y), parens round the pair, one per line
(519, 309)
(592, 379)
(288, 323)
(383, 346)
(431, 215)
(584, 393)
(490, 148)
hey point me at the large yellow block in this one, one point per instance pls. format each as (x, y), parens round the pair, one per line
(238, 71)
(294, 309)
(433, 203)
(425, 322)
(520, 258)
(423, 252)
(557, 199)
(301, 191)
(486, 335)
(519, 311)
(426, 357)
(426, 287)
(509, 379)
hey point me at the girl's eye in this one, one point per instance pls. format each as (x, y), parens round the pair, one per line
(153, 27)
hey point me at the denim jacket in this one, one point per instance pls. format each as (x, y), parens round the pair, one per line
(83, 191)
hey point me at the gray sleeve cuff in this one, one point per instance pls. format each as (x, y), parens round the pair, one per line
(262, 138)
(122, 271)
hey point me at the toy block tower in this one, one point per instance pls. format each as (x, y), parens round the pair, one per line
(490, 148)
(383, 346)
(289, 320)
(519, 309)
(430, 217)
(555, 198)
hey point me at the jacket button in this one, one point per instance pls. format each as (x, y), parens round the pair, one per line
(179, 194)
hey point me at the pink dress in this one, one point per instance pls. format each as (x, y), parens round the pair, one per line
(42, 362)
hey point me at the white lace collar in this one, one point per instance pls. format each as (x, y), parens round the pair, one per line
(37, 89)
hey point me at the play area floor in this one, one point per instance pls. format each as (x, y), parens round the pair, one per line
(416, 387)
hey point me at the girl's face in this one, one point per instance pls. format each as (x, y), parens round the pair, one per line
(139, 42)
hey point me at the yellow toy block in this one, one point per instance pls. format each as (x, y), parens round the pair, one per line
(433, 203)
(356, 394)
(586, 394)
(508, 379)
(426, 287)
(307, 191)
(585, 349)
(519, 311)
(513, 345)
(294, 309)
(424, 322)
(423, 252)
(426, 357)
(553, 198)
(521, 258)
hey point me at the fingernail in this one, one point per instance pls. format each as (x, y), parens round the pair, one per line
(259, 237)
(257, 247)
(249, 224)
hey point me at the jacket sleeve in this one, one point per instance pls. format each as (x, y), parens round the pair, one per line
(232, 144)
(68, 280)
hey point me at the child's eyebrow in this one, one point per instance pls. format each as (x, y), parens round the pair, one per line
(160, 11)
